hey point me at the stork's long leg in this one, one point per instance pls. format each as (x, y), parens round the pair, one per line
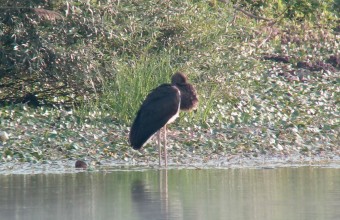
(159, 147)
(165, 150)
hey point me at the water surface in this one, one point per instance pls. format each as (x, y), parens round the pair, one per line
(263, 194)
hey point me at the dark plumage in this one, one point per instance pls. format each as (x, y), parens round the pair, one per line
(189, 99)
(161, 107)
(157, 109)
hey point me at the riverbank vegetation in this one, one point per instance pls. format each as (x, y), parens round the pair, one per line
(73, 74)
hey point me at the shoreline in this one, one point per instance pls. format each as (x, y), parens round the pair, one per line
(236, 162)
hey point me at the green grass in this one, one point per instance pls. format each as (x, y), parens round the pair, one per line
(133, 80)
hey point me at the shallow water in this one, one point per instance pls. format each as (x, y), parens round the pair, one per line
(264, 194)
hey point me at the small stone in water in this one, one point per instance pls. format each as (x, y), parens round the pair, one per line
(81, 164)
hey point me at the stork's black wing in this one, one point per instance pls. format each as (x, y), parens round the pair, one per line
(157, 109)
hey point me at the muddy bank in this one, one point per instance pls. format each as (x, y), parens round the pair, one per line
(234, 162)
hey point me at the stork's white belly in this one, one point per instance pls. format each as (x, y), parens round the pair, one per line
(173, 118)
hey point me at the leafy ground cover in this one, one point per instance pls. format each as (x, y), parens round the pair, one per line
(265, 89)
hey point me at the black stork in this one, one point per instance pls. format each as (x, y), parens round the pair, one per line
(160, 108)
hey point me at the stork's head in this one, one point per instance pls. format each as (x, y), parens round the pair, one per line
(178, 78)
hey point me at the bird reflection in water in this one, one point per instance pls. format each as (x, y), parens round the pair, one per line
(153, 203)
